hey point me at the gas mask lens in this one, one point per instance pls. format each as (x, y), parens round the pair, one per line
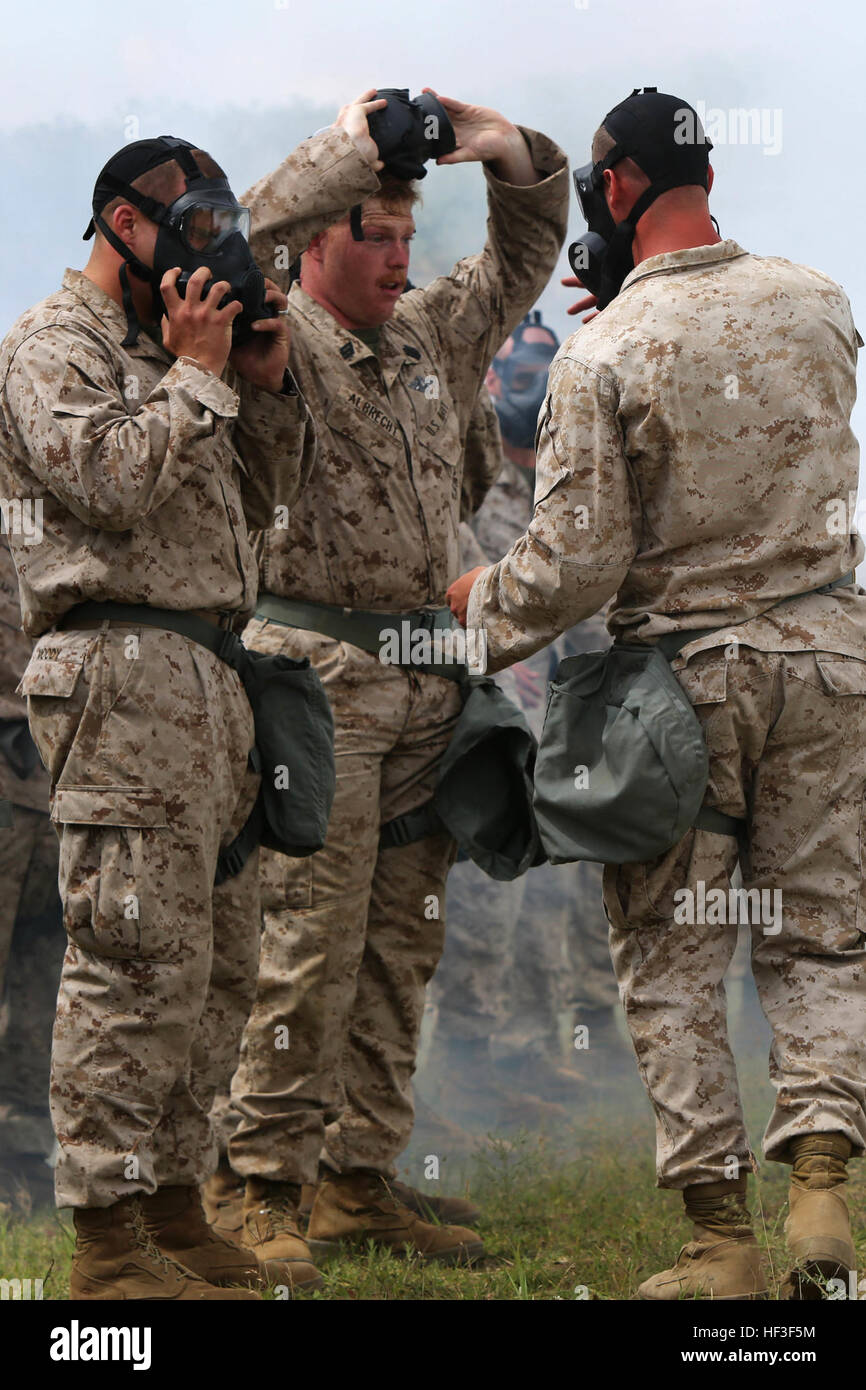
(204, 227)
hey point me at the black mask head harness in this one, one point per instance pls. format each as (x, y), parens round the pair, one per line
(665, 138)
(205, 226)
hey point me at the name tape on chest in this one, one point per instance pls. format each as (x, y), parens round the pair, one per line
(372, 412)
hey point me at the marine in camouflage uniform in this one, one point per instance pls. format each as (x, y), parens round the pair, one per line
(353, 934)
(149, 469)
(703, 423)
(32, 939)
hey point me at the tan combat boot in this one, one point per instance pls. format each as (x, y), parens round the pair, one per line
(724, 1260)
(445, 1210)
(271, 1232)
(116, 1257)
(175, 1219)
(449, 1211)
(223, 1201)
(818, 1227)
(360, 1206)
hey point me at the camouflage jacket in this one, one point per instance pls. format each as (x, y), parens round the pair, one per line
(377, 527)
(696, 461)
(149, 469)
(15, 649)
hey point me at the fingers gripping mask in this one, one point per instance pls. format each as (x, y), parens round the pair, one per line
(205, 226)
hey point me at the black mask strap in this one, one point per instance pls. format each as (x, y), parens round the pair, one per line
(355, 222)
(139, 270)
(133, 326)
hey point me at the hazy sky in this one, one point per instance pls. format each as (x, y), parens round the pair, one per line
(248, 79)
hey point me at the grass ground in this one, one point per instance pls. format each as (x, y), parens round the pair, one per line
(571, 1216)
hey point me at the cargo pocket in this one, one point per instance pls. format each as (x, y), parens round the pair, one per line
(112, 853)
(56, 677)
(49, 684)
(705, 681)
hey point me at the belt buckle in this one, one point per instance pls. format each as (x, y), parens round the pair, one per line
(427, 619)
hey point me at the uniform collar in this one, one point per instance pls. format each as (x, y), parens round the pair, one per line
(111, 315)
(684, 260)
(394, 353)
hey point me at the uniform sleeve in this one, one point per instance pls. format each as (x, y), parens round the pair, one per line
(110, 467)
(316, 185)
(582, 538)
(482, 455)
(473, 310)
(276, 438)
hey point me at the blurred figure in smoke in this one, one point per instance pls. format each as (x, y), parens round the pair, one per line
(496, 1056)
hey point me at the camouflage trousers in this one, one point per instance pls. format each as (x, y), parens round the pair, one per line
(786, 734)
(516, 954)
(31, 951)
(147, 738)
(352, 934)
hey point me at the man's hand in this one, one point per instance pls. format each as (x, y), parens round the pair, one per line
(458, 593)
(589, 301)
(264, 358)
(353, 119)
(484, 135)
(529, 686)
(195, 327)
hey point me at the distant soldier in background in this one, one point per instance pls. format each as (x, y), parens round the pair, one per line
(32, 939)
(496, 1053)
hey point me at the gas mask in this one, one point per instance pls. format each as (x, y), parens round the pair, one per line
(205, 226)
(664, 137)
(523, 382)
(408, 132)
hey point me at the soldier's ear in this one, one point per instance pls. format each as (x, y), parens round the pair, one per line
(316, 248)
(710, 177)
(122, 222)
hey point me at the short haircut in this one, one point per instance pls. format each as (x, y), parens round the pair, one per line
(396, 194)
(602, 144)
(161, 182)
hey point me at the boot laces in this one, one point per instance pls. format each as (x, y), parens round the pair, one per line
(384, 1199)
(281, 1208)
(145, 1241)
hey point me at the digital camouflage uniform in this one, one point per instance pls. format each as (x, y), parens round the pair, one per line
(150, 470)
(31, 927)
(516, 953)
(352, 935)
(702, 423)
